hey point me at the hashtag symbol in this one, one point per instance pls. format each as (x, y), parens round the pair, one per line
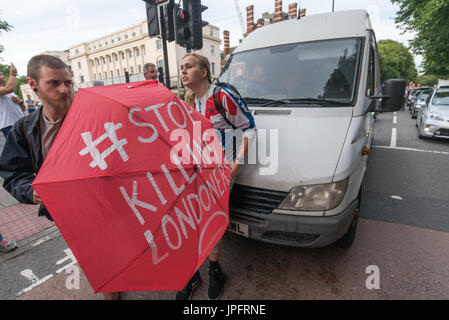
(91, 146)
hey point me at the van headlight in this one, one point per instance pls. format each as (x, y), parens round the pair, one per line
(317, 197)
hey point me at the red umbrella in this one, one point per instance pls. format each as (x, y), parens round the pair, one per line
(135, 183)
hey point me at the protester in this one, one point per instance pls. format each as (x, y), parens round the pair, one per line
(10, 105)
(196, 76)
(31, 105)
(32, 136)
(7, 245)
(150, 71)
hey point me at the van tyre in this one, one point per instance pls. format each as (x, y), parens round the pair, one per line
(348, 238)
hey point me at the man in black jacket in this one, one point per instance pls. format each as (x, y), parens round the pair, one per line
(30, 138)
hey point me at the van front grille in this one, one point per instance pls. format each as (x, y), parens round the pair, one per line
(255, 199)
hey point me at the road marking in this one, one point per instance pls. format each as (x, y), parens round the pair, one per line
(393, 138)
(395, 120)
(35, 282)
(396, 197)
(42, 240)
(412, 149)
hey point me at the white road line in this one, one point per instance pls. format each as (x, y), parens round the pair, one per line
(395, 120)
(393, 138)
(412, 149)
(397, 197)
(35, 282)
(42, 240)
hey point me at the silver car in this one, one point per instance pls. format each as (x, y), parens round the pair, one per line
(433, 119)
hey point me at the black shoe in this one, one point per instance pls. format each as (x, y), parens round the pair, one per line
(216, 281)
(187, 292)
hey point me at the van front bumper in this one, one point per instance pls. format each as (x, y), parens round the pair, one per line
(293, 230)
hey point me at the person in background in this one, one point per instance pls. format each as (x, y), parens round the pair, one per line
(31, 105)
(196, 76)
(7, 245)
(11, 108)
(150, 71)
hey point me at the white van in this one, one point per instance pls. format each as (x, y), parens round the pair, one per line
(316, 82)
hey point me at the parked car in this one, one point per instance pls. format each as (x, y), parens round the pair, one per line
(420, 102)
(312, 86)
(433, 121)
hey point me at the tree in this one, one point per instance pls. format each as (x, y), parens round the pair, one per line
(429, 20)
(4, 26)
(396, 61)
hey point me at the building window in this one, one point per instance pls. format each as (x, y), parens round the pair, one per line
(95, 47)
(110, 59)
(99, 75)
(212, 49)
(112, 40)
(79, 65)
(100, 45)
(132, 70)
(213, 68)
(211, 32)
(138, 52)
(98, 62)
(77, 51)
(140, 68)
(130, 54)
(93, 63)
(159, 44)
(161, 64)
(81, 79)
(123, 56)
(106, 43)
(118, 73)
(126, 36)
(104, 60)
(89, 48)
(134, 34)
(116, 57)
(118, 39)
(112, 74)
(124, 70)
(105, 75)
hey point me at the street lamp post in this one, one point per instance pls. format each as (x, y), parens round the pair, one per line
(333, 5)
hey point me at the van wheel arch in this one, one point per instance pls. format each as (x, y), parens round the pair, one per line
(348, 238)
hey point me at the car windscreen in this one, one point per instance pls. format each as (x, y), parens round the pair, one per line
(423, 95)
(441, 97)
(319, 70)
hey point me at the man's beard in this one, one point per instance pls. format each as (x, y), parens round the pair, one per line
(63, 103)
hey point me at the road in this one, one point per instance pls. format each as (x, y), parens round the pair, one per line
(403, 233)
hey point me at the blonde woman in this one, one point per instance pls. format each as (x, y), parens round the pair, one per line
(196, 76)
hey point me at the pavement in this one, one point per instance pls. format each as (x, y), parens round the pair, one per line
(403, 232)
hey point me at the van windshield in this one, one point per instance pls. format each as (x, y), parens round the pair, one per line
(324, 70)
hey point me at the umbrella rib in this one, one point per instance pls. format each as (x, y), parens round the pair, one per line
(124, 268)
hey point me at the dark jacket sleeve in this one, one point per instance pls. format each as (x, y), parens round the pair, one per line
(16, 165)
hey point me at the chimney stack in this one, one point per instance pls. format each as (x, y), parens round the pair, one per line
(249, 19)
(260, 23)
(293, 10)
(277, 11)
(227, 46)
(302, 13)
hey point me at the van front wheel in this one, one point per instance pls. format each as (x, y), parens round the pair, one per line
(348, 238)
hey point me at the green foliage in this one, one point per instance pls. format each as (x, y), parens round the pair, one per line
(428, 80)
(396, 61)
(4, 26)
(429, 20)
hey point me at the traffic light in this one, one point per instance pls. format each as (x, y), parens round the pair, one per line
(169, 20)
(195, 23)
(182, 27)
(153, 17)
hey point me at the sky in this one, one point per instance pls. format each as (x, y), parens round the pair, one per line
(60, 24)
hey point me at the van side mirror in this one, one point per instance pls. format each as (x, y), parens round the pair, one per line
(393, 95)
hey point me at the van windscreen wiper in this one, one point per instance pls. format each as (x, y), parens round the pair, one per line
(303, 101)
